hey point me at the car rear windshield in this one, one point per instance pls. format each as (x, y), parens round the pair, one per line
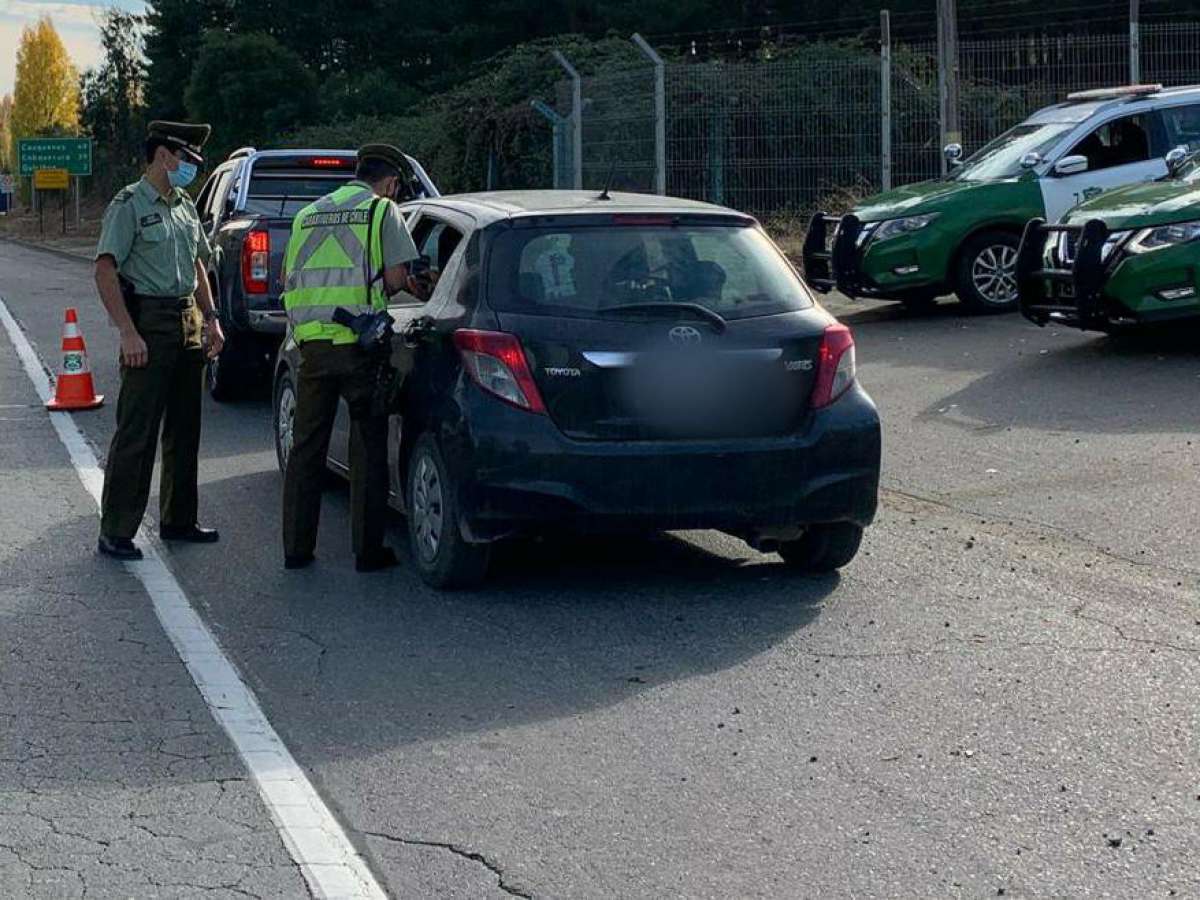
(286, 195)
(581, 271)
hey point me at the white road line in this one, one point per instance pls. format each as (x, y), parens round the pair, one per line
(311, 833)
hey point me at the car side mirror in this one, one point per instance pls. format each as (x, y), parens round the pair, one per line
(1071, 165)
(953, 154)
(1176, 158)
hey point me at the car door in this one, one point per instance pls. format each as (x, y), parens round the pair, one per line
(1121, 151)
(432, 229)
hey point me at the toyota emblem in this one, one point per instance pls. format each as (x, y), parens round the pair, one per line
(684, 334)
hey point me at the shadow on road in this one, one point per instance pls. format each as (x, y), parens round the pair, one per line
(348, 664)
(1127, 385)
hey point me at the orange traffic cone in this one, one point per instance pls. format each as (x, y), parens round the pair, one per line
(73, 389)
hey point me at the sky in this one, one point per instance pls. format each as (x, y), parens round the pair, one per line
(75, 21)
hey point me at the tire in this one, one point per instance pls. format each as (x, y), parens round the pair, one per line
(221, 374)
(823, 548)
(283, 418)
(439, 553)
(985, 275)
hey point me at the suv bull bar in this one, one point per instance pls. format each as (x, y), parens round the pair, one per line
(836, 264)
(1063, 290)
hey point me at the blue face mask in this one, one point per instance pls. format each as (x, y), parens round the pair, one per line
(184, 175)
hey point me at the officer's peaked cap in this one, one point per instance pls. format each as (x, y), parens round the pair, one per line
(385, 153)
(181, 136)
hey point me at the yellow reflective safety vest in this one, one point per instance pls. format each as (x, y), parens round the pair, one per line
(334, 258)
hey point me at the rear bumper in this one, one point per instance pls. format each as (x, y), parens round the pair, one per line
(267, 321)
(518, 472)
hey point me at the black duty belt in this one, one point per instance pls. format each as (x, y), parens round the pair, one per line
(177, 302)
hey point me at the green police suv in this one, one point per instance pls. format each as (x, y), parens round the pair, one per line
(1125, 259)
(960, 233)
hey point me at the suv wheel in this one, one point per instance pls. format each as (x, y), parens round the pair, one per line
(441, 556)
(284, 419)
(823, 548)
(986, 277)
(220, 374)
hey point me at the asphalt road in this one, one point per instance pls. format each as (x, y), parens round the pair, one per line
(998, 697)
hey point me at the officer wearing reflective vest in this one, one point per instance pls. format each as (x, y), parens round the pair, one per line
(348, 250)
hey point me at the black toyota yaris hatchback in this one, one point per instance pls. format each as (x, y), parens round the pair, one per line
(623, 362)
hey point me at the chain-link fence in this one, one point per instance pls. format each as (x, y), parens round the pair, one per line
(819, 126)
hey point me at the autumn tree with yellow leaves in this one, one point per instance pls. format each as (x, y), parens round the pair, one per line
(46, 94)
(6, 139)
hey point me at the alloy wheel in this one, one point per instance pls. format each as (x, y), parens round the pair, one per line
(211, 375)
(285, 422)
(427, 508)
(994, 274)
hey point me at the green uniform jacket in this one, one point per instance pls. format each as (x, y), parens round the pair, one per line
(154, 240)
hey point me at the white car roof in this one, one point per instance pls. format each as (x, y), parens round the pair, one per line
(1074, 112)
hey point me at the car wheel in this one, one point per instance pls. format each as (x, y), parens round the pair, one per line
(220, 374)
(823, 548)
(442, 558)
(986, 280)
(284, 419)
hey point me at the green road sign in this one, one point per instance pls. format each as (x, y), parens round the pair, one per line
(72, 154)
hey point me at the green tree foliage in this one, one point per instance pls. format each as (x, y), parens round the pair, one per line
(174, 35)
(112, 109)
(250, 88)
(455, 133)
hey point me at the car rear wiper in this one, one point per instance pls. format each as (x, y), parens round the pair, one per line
(703, 312)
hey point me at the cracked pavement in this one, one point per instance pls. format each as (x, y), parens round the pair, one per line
(998, 698)
(114, 779)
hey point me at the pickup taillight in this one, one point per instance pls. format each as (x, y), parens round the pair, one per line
(256, 261)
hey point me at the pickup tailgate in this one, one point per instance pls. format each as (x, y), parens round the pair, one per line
(263, 244)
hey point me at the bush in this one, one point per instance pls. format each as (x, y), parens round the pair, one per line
(456, 133)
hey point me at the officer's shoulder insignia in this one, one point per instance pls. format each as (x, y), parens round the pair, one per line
(124, 195)
(152, 219)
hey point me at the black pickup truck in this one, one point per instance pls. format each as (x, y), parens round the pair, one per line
(246, 207)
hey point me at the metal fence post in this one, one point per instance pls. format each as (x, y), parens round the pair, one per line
(885, 100)
(1135, 43)
(660, 114)
(947, 22)
(558, 126)
(577, 116)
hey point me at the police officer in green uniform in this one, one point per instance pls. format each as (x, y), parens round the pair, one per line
(349, 249)
(150, 271)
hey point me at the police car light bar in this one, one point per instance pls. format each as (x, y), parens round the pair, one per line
(1115, 93)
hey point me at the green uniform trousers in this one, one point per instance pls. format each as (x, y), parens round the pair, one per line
(327, 372)
(166, 393)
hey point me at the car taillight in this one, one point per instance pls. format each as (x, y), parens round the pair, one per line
(835, 366)
(496, 362)
(256, 261)
(329, 162)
